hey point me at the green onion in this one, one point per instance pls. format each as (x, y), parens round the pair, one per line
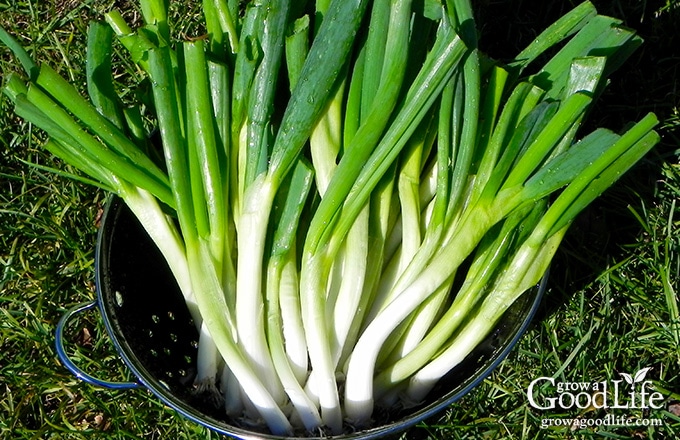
(350, 194)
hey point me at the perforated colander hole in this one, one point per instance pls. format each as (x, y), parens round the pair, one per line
(174, 337)
(150, 333)
(169, 374)
(156, 319)
(188, 360)
(194, 344)
(153, 352)
(171, 315)
(166, 351)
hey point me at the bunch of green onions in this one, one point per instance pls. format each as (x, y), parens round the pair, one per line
(349, 193)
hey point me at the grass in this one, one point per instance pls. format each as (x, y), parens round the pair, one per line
(611, 305)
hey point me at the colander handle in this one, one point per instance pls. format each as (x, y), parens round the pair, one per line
(70, 365)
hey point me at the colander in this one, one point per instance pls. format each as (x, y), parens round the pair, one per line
(152, 331)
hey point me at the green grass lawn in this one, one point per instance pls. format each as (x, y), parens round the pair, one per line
(611, 305)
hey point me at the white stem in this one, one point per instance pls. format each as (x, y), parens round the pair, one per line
(423, 320)
(306, 410)
(359, 382)
(207, 361)
(474, 332)
(410, 220)
(394, 282)
(352, 286)
(316, 331)
(325, 141)
(231, 390)
(293, 331)
(250, 308)
(217, 316)
(528, 264)
(428, 184)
